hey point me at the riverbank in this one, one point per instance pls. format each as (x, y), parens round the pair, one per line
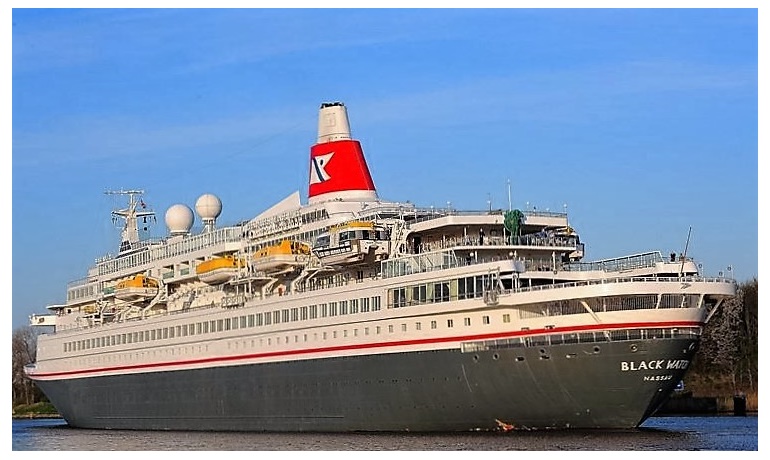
(688, 403)
(35, 410)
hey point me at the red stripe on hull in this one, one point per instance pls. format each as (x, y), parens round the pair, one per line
(375, 345)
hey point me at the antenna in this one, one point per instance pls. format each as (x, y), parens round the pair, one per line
(684, 255)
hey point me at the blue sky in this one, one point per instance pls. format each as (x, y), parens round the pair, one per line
(643, 122)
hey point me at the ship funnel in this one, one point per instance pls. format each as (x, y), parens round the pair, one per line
(338, 169)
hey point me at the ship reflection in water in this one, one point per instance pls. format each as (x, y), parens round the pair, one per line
(717, 433)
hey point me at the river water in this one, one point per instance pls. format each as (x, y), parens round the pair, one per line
(717, 433)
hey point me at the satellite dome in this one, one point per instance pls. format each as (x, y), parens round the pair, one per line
(179, 219)
(208, 206)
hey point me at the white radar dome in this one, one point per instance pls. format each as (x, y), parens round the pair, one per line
(208, 206)
(179, 219)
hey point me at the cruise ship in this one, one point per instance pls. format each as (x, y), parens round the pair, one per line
(348, 312)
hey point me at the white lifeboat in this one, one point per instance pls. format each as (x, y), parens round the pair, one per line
(352, 243)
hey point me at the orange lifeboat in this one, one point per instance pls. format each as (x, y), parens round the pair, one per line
(219, 269)
(140, 287)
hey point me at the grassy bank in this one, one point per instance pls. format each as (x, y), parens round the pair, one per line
(36, 410)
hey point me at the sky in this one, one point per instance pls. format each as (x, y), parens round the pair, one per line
(641, 123)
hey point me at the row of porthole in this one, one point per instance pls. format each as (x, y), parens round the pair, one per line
(543, 354)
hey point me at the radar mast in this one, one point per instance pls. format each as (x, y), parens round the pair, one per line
(129, 236)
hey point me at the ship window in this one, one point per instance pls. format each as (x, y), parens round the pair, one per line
(467, 321)
(324, 335)
(433, 324)
(171, 332)
(244, 321)
(303, 313)
(418, 326)
(152, 334)
(313, 311)
(485, 319)
(462, 288)
(441, 292)
(255, 320)
(344, 307)
(165, 332)
(220, 325)
(450, 323)
(364, 304)
(324, 310)
(399, 297)
(375, 303)
(506, 318)
(234, 322)
(345, 333)
(366, 331)
(403, 328)
(420, 294)
(295, 314)
(377, 329)
(332, 308)
(276, 316)
(285, 315)
(390, 328)
(228, 322)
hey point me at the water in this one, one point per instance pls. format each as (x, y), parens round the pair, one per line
(721, 433)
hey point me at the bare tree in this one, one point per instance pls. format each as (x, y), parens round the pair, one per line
(23, 349)
(730, 340)
(749, 345)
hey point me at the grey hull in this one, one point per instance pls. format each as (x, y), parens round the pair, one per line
(601, 385)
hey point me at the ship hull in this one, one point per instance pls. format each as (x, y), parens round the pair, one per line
(604, 385)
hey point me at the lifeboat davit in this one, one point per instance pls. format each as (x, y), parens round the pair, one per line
(282, 256)
(219, 269)
(140, 287)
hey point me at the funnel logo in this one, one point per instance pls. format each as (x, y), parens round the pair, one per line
(318, 165)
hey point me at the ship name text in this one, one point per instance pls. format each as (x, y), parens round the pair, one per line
(654, 364)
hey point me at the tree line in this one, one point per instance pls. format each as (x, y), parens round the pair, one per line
(727, 361)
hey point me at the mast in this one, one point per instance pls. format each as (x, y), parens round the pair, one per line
(684, 255)
(130, 233)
